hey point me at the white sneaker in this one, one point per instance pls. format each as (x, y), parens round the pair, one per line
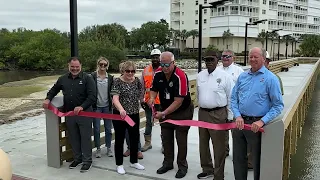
(98, 153)
(121, 170)
(109, 152)
(137, 166)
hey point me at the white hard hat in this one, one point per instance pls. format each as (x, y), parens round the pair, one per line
(267, 55)
(155, 52)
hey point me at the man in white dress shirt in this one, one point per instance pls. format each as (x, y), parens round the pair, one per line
(233, 70)
(214, 92)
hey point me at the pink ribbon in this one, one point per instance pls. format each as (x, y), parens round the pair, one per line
(202, 124)
(206, 125)
(91, 114)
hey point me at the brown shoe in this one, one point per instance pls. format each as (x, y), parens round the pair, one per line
(140, 155)
(127, 153)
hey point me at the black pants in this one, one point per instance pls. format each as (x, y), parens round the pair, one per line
(181, 133)
(79, 136)
(120, 131)
(241, 140)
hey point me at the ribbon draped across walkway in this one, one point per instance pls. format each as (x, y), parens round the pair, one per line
(201, 124)
(91, 114)
(206, 125)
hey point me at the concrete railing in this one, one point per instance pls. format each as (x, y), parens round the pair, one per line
(280, 140)
(278, 143)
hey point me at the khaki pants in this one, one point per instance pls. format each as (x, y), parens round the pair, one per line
(181, 132)
(218, 139)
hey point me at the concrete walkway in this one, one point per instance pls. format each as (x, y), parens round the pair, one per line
(25, 142)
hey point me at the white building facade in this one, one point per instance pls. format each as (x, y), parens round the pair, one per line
(295, 17)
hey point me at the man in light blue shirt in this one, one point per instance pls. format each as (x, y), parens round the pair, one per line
(256, 99)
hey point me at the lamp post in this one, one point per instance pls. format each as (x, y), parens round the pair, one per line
(212, 5)
(267, 37)
(292, 47)
(245, 38)
(73, 28)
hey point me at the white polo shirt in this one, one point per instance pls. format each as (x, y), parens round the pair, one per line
(214, 90)
(232, 70)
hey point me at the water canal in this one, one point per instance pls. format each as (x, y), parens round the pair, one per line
(306, 161)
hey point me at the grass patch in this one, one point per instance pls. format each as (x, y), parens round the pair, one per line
(19, 91)
(43, 80)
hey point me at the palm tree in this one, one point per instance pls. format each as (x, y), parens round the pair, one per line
(176, 37)
(193, 33)
(273, 35)
(226, 35)
(261, 38)
(184, 35)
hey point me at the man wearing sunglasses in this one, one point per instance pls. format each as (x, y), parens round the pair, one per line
(214, 87)
(146, 81)
(171, 83)
(233, 70)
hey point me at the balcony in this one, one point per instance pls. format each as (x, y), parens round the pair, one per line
(175, 9)
(175, 1)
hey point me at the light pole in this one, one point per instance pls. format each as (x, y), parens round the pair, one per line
(268, 37)
(73, 28)
(212, 5)
(245, 38)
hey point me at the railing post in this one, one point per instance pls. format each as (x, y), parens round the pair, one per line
(53, 135)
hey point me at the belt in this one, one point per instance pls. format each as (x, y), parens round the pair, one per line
(252, 118)
(211, 109)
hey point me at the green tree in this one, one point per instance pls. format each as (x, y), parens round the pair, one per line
(261, 38)
(310, 45)
(193, 33)
(226, 36)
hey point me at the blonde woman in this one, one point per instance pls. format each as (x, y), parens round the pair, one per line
(127, 92)
(103, 81)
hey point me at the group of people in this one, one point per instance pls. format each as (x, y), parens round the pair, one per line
(225, 94)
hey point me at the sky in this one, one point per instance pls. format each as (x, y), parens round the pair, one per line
(41, 14)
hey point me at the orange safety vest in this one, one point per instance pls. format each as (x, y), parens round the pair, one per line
(148, 78)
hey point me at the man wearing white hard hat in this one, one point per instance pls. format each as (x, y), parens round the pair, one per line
(146, 80)
(266, 64)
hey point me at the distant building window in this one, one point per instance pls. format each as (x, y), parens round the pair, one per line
(182, 4)
(182, 13)
(205, 11)
(205, 21)
(263, 11)
(264, 1)
(182, 22)
(196, 21)
(205, 2)
(197, 12)
(197, 3)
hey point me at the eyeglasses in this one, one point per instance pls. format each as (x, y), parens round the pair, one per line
(165, 64)
(130, 71)
(226, 56)
(103, 65)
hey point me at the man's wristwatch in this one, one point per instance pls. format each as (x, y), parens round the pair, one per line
(163, 115)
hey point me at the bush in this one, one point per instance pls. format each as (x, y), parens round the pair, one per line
(90, 51)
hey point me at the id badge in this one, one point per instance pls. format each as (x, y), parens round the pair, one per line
(167, 95)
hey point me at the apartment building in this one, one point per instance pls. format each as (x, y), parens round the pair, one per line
(295, 17)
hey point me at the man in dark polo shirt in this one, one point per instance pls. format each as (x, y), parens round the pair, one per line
(172, 85)
(79, 93)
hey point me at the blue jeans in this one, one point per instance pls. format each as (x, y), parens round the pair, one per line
(107, 128)
(149, 119)
(128, 141)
